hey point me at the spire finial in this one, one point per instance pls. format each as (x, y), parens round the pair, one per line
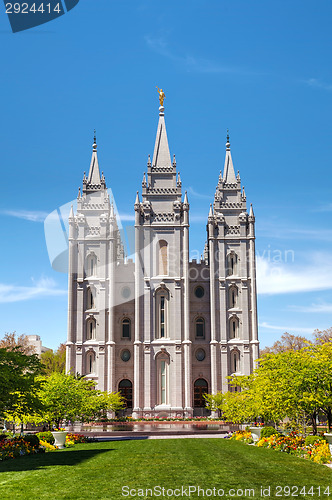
(228, 146)
(94, 146)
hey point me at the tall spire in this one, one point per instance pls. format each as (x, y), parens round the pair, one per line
(94, 179)
(229, 174)
(161, 155)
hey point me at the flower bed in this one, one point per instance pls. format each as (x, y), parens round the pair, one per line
(315, 448)
(17, 447)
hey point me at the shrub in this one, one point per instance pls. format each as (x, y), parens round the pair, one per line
(32, 439)
(46, 436)
(310, 440)
(269, 431)
(3, 436)
(319, 452)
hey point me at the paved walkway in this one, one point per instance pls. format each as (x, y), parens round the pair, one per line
(159, 436)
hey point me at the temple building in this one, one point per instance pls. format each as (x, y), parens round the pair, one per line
(159, 328)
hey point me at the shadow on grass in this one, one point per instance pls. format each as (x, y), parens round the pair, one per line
(51, 459)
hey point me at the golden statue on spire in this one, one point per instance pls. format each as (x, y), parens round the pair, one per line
(161, 96)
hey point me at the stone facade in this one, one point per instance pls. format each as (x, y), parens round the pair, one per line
(160, 328)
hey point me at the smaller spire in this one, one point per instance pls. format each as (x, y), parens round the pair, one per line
(251, 213)
(144, 180)
(220, 177)
(71, 214)
(185, 201)
(243, 194)
(149, 161)
(174, 161)
(137, 202)
(79, 193)
(210, 212)
(179, 183)
(238, 175)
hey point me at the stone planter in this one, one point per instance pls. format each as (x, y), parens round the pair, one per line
(60, 438)
(256, 433)
(328, 438)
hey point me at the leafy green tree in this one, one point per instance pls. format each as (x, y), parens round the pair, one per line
(54, 361)
(18, 381)
(65, 397)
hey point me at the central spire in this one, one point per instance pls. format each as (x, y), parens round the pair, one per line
(161, 155)
(229, 174)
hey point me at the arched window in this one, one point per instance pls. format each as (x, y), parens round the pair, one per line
(126, 328)
(162, 379)
(200, 328)
(163, 260)
(90, 329)
(161, 314)
(233, 296)
(90, 363)
(235, 361)
(90, 298)
(233, 328)
(126, 391)
(232, 263)
(200, 388)
(91, 268)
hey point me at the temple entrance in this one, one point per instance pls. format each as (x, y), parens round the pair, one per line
(126, 391)
(200, 388)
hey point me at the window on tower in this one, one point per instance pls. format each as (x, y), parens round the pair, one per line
(126, 327)
(232, 260)
(90, 298)
(161, 315)
(90, 363)
(200, 328)
(91, 268)
(233, 328)
(91, 329)
(233, 296)
(163, 260)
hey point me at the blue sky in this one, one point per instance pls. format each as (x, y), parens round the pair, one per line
(261, 69)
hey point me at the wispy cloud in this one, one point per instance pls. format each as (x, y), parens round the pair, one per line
(273, 230)
(281, 278)
(322, 307)
(314, 82)
(31, 215)
(323, 208)
(44, 287)
(127, 217)
(195, 194)
(192, 63)
(289, 328)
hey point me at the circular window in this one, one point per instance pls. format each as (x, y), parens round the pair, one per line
(125, 292)
(200, 354)
(125, 355)
(199, 292)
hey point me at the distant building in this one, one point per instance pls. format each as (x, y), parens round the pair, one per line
(36, 342)
(162, 330)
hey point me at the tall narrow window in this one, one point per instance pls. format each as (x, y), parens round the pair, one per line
(200, 328)
(163, 264)
(91, 329)
(235, 362)
(231, 264)
(91, 265)
(90, 363)
(90, 299)
(126, 328)
(233, 328)
(162, 316)
(233, 296)
(162, 378)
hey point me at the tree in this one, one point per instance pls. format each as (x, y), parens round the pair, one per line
(322, 337)
(286, 343)
(22, 343)
(54, 361)
(18, 380)
(65, 397)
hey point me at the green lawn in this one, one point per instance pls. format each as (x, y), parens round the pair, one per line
(100, 470)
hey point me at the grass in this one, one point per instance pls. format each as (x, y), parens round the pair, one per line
(100, 470)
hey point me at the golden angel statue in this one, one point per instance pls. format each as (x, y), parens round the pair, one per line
(161, 96)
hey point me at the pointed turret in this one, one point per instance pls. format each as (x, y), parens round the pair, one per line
(229, 174)
(94, 181)
(251, 213)
(185, 201)
(71, 214)
(161, 155)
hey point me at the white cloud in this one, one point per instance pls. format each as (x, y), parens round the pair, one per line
(323, 307)
(45, 287)
(127, 217)
(314, 82)
(191, 63)
(283, 278)
(289, 329)
(191, 192)
(31, 215)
